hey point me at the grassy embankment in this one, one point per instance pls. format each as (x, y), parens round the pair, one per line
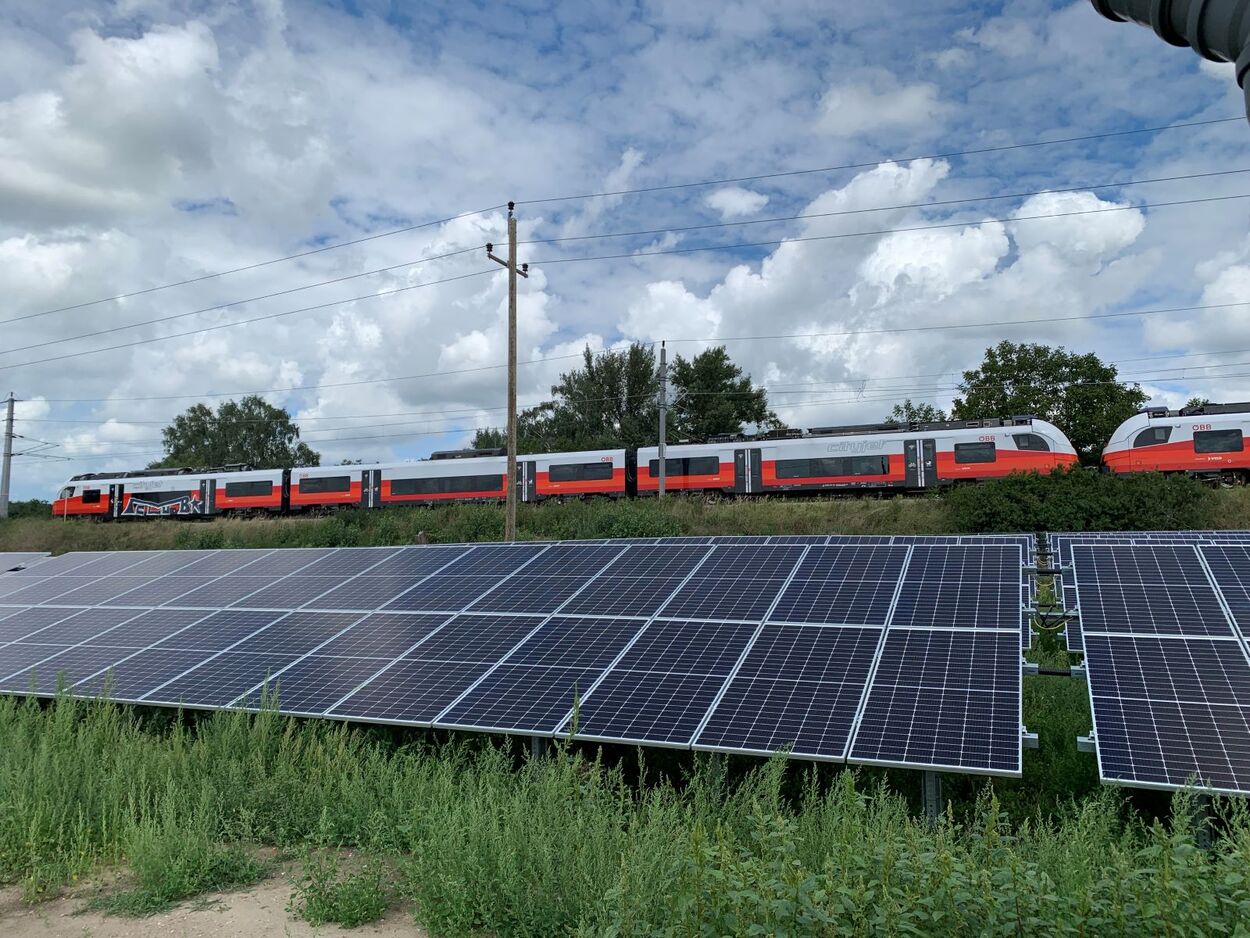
(474, 838)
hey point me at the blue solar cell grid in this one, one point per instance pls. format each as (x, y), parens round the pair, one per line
(748, 644)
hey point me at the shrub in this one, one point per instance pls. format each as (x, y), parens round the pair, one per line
(1081, 500)
(323, 895)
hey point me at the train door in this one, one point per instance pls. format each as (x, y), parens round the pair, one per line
(912, 475)
(370, 488)
(748, 477)
(208, 497)
(928, 461)
(116, 496)
(631, 472)
(920, 463)
(527, 480)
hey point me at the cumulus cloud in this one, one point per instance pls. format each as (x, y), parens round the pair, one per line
(877, 102)
(735, 202)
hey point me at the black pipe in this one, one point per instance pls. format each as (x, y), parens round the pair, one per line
(1218, 30)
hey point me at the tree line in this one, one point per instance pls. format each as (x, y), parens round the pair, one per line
(612, 400)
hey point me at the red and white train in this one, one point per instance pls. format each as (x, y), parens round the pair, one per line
(1207, 441)
(916, 457)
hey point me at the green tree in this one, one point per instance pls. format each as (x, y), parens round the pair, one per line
(611, 401)
(714, 396)
(908, 412)
(249, 431)
(1196, 402)
(1079, 393)
(490, 438)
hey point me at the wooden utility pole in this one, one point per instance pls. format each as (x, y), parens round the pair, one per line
(509, 526)
(663, 417)
(6, 465)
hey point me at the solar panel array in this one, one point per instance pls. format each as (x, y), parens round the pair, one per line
(1060, 550)
(15, 560)
(889, 651)
(1165, 629)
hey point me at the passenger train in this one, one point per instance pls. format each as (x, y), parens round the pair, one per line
(881, 457)
(1206, 441)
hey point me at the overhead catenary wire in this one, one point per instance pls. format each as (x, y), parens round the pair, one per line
(568, 260)
(254, 266)
(621, 192)
(949, 154)
(612, 235)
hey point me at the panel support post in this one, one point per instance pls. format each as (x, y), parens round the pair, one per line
(663, 415)
(6, 466)
(1200, 819)
(932, 782)
(509, 525)
(538, 747)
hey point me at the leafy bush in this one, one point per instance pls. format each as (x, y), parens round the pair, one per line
(1082, 500)
(324, 895)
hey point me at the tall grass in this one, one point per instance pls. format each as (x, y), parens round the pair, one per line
(484, 843)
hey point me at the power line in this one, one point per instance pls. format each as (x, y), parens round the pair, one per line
(243, 322)
(884, 231)
(250, 299)
(246, 267)
(450, 254)
(891, 159)
(888, 208)
(831, 237)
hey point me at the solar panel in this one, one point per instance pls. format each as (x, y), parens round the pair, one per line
(15, 560)
(1168, 673)
(748, 644)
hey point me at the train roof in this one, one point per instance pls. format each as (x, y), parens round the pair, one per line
(159, 473)
(1023, 420)
(1202, 410)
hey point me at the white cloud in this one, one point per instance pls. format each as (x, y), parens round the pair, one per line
(735, 202)
(877, 102)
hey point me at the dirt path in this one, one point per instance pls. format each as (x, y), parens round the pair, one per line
(258, 912)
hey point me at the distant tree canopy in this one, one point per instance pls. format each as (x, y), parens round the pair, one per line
(1079, 393)
(714, 396)
(907, 412)
(613, 401)
(30, 508)
(1196, 402)
(248, 431)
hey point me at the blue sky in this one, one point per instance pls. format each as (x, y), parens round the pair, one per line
(143, 143)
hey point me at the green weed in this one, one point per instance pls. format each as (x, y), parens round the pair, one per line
(323, 894)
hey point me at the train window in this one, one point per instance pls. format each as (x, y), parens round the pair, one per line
(1218, 441)
(324, 485)
(90, 496)
(1152, 436)
(249, 489)
(448, 485)
(833, 466)
(67, 492)
(1031, 441)
(688, 466)
(580, 472)
(975, 452)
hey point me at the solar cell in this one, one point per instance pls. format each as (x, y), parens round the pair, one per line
(736, 582)
(571, 641)
(520, 698)
(12, 560)
(132, 675)
(157, 592)
(1204, 672)
(842, 584)
(475, 638)
(410, 691)
(311, 685)
(167, 562)
(492, 560)
(416, 562)
(364, 592)
(1156, 589)
(220, 630)
(219, 680)
(624, 596)
(41, 591)
(961, 587)
(444, 593)
(944, 699)
(25, 622)
(11, 583)
(798, 687)
(535, 594)
(101, 590)
(147, 628)
(383, 636)
(55, 566)
(1230, 568)
(298, 633)
(54, 671)
(77, 628)
(222, 592)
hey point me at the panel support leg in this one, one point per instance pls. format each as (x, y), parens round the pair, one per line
(1200, 819)
(538, 747)
(932, 782)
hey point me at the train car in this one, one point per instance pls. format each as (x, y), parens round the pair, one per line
(163, 493)
(872, 456)
(1206, 441)
(610, 472)
(459, 476)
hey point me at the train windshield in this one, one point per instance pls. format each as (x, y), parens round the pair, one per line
(67, 492)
